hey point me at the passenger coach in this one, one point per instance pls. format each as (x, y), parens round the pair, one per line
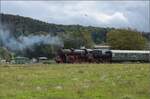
(130, 55)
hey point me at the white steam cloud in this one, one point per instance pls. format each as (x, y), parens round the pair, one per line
(23, 42)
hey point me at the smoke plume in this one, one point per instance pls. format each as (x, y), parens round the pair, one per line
(22, 42)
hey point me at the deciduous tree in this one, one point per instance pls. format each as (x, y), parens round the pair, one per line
(126, 39)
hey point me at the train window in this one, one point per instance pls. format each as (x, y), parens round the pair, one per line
(113, 54)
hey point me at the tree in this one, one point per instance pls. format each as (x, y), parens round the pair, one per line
(76, 39)
(126, 40)
(5, 54)
(86, 37)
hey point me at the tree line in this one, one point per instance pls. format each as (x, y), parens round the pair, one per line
(73, 36)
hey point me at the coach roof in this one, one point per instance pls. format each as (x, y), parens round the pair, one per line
(130, 51)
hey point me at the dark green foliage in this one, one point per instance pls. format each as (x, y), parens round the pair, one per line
(5, 54)
(126, 40)
(40, 50)
(72, 42)
(25, 26)
(99, 35)
(74, 36)
(147, 35)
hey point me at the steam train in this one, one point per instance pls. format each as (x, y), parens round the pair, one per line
(101, 56)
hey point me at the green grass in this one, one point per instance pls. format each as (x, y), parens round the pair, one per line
(75, 81)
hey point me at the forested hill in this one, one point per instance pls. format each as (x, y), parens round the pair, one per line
(25, 35)
(33, 38)
(20, 25)
(25, 26)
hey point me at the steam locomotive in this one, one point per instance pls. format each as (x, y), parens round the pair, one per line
(101, 56)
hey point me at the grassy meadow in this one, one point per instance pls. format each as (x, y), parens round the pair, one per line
(75, 81)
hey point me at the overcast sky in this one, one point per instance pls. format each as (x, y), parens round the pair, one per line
(119, 14)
